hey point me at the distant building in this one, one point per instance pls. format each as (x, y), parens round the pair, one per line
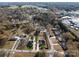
(73, 22)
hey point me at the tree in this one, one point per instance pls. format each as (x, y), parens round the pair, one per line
(63, 27)
(28, 28)
(2, 40)
(2, 53)
(68, 36)
(22, 44)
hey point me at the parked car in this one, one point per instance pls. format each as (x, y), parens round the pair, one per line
(63, 45)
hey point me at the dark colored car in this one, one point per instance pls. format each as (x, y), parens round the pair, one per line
(63, 45)
(30, 44)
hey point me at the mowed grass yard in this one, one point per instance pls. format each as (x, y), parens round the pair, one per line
(24, 54)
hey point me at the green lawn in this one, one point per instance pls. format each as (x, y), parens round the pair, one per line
(42, 46)
(36, 38)
(26, 48)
